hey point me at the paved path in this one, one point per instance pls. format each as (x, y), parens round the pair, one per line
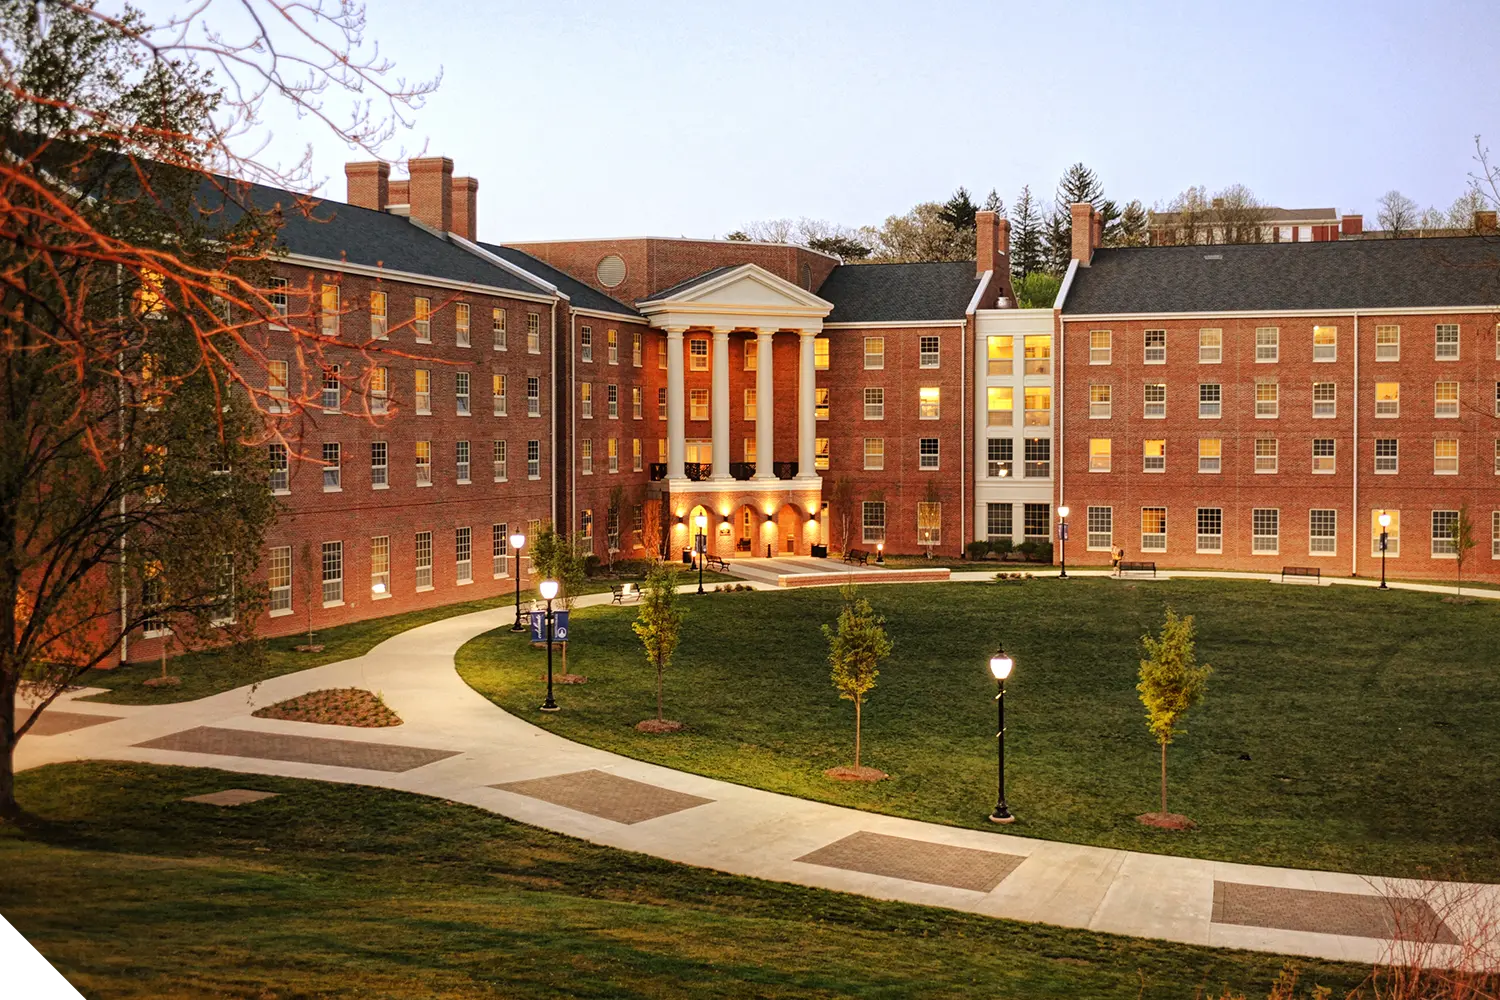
(456, 745)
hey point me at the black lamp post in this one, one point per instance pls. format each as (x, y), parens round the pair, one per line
(701, 522)
(1062, 536)
(549, 591)
(1000, 666)
(1385, 522)
(880, 553)
(517, 540)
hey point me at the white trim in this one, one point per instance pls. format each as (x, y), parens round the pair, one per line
(1273, 313)
(521, 244)
(897, 324)
(505, 265)
(600, 314)
(692, 295)
(1067, 285)
(417, 279)
(984, 283)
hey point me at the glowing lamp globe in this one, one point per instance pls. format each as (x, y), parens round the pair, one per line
(1001, 664)
(548, 589)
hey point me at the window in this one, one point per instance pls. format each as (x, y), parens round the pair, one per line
(333, 574)
(636, 348)
(280, 472)
(1099, 454)
(1156, 347)
(1392, 533)
(1323, 455)
(1322, 532)
(661, 403)
(1101, 348)
(329, 314)
(499, 550)
(1156, 401)
(1038, 349)
(661, 353)
(380, 386)
(1210, 531)
(586, 457)
(533, 396)
(1036, 520)
(1267, 345)
(422, 319)
(636, 412)
(752, 354)
(1267, 400)
(1387, 343)
(497, 322)
(873, 521)
(1325, 343)
(498, 464)
(874, 352)
(463, 555)
(820, 354)
(612, 529)
(1153, 529)
(1445, 399)
(927, 453)
(1000, 354)
(698, 354)
(1445, 457)
(1265, 531)
(1497, 399)
(461, 393)
(1154, 456)
(874, 403)
(332, 470)
(586, 343)
(1210, 347)
(1387, 399)
(1100, 402)
(1446, 341)
(820, 453)
(379, 322)
(612, 401)
(461, 461)
(423, 390)
(380, 465)
(1101, 529)
(612, 450)
(1444, 523)
(1000, 402)
(749, 404)
(874, 453)
(929, 352)
(1497, 456)
(277, 375)
(501, 396)
(380, 567)
(1001, 454)
(332, 392)
(929, 523)
(1210, 454)
(1325, 399)
(1038, 406)
(1210, 400)
(533, 333)
(1266, 454)
(1495, 535)
(278, 299)
(997, 521)
(279, 580)
(424, 463)
(424, 560)
(461, 324)
(1038, 455)
(636, 461)
(928, 398)
(747, 449)
(820, 404)
(698, 404)
(612, 345)
(1386, 455)
(533, 460)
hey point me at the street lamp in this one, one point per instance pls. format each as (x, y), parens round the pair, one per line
(1062, 536)
(1000, 666)
(549, 591)
(516, 541)
(1385, 522)
(880, 552)
(702, 522)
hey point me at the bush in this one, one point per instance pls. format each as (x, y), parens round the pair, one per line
(1002, 546)
(1027, 549)
(977, 550)
(1043, 552)
(591, 565)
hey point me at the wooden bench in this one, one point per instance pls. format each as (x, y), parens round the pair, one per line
(860, 556)
(623, 592)
(1137, 567)
(715, 563)
(1311, 572)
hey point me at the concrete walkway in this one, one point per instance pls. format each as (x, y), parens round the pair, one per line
(455, 744)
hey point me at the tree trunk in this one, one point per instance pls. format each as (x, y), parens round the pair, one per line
(658, 692)
(856, 733)
(1164, 778)
(8, 808)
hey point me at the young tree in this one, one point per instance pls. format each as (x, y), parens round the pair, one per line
(1133, 230)
(841, 501)
(1462, 533)
(855, 648)
(613, 513)
(1026, 250)
(994, 203)
(556, 556)
(659, 626)
(1398, 214)
(1171, 683)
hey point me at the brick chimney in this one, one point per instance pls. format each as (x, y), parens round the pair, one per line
(989, 243)
(400, 193)
(1087, 235)
(465, 207)
(368, 184)
(1351, 225)
(1485, 222)
(431, 191)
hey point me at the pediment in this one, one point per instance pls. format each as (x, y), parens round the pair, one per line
(746, 287)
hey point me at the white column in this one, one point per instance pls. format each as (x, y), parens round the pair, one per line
(807, 381)
(765, 407)
(676, 419)
(720, 403)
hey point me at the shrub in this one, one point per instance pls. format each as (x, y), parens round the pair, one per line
(1002, 546)
(977, 550)
(1043, 552)
(1027, 548)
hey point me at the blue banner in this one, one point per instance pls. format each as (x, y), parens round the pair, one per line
(539, 626)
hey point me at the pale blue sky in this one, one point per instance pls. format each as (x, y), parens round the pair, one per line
(595, 119)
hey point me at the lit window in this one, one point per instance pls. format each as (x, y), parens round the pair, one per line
(927, 403)
(1267, 451)
(1325, 343)
(820, 354)
(380, 390)
(1038, 406)
(1387, 399)
(1153, 529)
(497, 323)
(820, 404)
(636, 411)
(1210, 400)
(461, 324)
(752, 354)
(929, 523)
(1210, 454)
(586, 457)
(1000, 402)
(533, 333)
(277, 375)
(1323, 455)
(1325, 399)
(1038, 349)
(1000, 354)
(424, 463)
(422, 319)
(1101, 348)
(874, 453)
(1210, 531)
(612, 345)
(820, 453)
(378, 317)
(1155, 456)
(874, 352)
(1156, 400)
(612, 452)
(423, 390)
(1156, 347)
(1099, 454)
(330, 311)
(1267, 399)
(1100, 402)
(1445, 399)
(637, 461)
(636, 348)
(1267, 344)
(749, 404)
(1387, 343)
(698, 404)
(501, 397)
(1445, 457)
(1210, 347)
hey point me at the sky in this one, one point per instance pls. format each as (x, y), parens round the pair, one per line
(692, 119)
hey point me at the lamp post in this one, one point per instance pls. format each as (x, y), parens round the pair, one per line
(880, 552)
(1000, 666)
(516, 541)
(549, 591)
(1385, 522)
(1062, 536)
(702, 523)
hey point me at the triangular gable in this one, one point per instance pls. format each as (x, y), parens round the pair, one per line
(749, 285)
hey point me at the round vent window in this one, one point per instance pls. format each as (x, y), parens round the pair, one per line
(611, 270)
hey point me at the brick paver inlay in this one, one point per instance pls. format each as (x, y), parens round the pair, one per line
(916, 861)
(605, 795)
(231, 797)
(51, 723)
(1318, 912)
(301, 749)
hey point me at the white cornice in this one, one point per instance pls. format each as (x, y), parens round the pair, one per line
(1067, 285)
(505, 265)
(895, 324)
(678, 239)
(808, 304)
(979, 293)
(602, 314)
(1273, 313)
(417, 279)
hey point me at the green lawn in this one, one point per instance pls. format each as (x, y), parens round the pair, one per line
(1343, 729)
(336, 891)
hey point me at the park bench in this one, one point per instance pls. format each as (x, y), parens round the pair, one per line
(1311, 572)
(1137, 567)
(716, 563)
(623, 592)
(852, 556)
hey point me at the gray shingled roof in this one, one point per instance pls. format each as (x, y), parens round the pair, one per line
(880, 293)
(582, 296)
(683, 286)
(1350, 274)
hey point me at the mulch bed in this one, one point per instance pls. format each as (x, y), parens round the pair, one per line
(565, 678)
(334, 707)
(855, 774)
(1167, 821)
(659, 726)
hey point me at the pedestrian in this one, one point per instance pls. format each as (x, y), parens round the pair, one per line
(1115, 555)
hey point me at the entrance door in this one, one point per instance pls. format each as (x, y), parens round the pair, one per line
(745, 542)
(788, 526)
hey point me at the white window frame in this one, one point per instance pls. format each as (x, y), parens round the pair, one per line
(1267, 345)
(1261, 542)
(1210, 346)
(1154, 347)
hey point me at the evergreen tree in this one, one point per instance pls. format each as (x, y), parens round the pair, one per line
(1079, 183)
(1026, 236)
(1133, 228)
(994, 203)
(1057, 240)
(958, 211)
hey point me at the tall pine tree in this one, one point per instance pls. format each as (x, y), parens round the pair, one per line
(1057, 240)
(994, 203)
(958, 211)
(1026, 236)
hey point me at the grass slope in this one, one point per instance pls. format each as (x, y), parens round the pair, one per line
(1343, 728)
(333, 890)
